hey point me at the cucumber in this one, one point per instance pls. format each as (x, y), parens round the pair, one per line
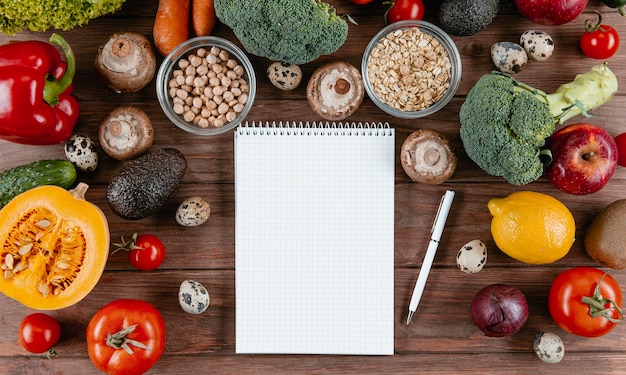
(17, 180)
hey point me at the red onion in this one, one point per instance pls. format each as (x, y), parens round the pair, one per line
(499, 310)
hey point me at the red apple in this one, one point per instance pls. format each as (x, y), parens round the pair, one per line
(550, 12)
(584, 158)
(621, 149)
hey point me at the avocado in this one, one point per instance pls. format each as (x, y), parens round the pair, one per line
(143, 185)
(467, 17)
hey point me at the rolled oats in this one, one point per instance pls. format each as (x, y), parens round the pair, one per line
(409, 70)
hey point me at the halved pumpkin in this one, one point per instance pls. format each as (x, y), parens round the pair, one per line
(54, 247)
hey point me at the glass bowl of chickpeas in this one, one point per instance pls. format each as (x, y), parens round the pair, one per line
(206, 86)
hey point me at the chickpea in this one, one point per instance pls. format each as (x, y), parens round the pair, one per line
(208, 89)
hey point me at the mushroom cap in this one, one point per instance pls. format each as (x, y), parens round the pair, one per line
(125, 133)
(428, 157)
(335, 90)
(126, 62)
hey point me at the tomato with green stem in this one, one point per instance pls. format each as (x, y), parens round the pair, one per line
(599, 41)
(126, 337)
(39, 333)
(145, 252)
(402, 10)
(585, 301)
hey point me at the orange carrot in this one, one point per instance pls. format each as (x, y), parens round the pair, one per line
(203, 17)
(171, 25)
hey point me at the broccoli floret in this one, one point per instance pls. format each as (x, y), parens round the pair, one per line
(42, 15)
(291, 31)
(505, 123)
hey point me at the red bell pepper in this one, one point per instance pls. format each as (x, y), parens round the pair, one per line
(36, 106)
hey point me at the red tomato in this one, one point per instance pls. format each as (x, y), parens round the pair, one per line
(361, 2)
(585, 301)
(599, 41)
(39, 333)
(148, 253)
(401, 10)
(145, 252)
(621, 149)
(126, 337)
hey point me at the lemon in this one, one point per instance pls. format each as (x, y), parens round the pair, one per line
(532, 227)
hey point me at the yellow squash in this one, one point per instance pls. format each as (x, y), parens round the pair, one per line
(54, 247)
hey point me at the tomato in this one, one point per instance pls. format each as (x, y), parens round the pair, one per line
(599, 41)
(126, 337)
(145, 252)
(585, 301)
(620, 140)
(361, 2)
(401, 10)
(39, 333)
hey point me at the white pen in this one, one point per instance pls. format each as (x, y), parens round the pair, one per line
(435, 236)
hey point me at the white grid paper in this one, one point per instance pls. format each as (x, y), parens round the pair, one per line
(314, 231)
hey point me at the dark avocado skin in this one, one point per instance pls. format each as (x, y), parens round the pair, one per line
(143, 185)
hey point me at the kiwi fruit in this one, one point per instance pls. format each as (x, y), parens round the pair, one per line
(605, 239)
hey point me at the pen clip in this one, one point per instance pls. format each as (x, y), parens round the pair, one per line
(432, 229)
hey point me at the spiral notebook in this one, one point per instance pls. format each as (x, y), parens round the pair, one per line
(314, 238)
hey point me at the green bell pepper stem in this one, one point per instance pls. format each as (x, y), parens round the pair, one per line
(53, 89)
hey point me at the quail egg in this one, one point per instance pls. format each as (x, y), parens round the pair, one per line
(81, 151)
(284, 76)
(472, 257)
(509, 57)
(549, 347)
(193, 297)
(538, 45)
(193, 212)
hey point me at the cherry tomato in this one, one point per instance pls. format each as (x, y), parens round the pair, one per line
(585, 301)
(361, 2)
(401, 10)
(127, 336)
(145, 252)
(621, 149)
(599, 41)
(39, 333)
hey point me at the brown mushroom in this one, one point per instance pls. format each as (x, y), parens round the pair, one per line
(126, 133)
(428, 157)
(335, 90)
(126, 62)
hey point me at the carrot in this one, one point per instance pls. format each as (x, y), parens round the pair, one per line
(171, 25)
(203, 17)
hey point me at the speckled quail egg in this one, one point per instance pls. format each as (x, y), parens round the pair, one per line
(193, 297)
(509, 57)
(549, 347)
(81, 151)
(538, 44)
(284, 76)
(193, 212)
(472, 257)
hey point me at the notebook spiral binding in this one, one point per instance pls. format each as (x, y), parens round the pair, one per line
(315, 128)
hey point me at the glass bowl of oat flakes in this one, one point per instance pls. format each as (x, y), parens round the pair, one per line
(411, 69)
(206, 86)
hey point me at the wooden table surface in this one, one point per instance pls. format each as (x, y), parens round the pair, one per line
(441, 339)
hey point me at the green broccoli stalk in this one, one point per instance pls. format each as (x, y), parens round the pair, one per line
(42, 15)
(505, 123)
(291, 31)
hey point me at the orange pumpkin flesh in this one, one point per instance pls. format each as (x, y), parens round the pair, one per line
(55, 246)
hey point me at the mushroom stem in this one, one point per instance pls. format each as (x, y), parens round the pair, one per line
(431, 156)
(117, 127)
(121, 47)
(342, 86)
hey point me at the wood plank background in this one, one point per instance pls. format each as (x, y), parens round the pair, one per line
(441, 339)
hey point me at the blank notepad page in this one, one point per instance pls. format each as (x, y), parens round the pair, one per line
(314, 237)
